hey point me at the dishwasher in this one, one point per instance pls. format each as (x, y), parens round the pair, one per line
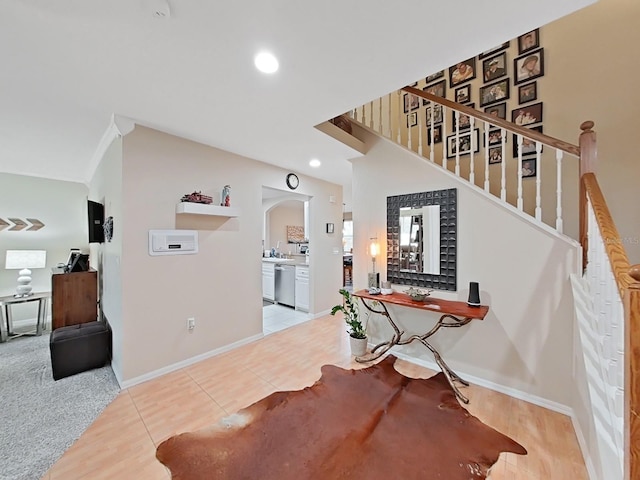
(285, 293)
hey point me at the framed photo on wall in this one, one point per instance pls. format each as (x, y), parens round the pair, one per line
(463, 145)
(527, 93)
(494, 92)
(465, 121)
(493, 50)
(411, 102)
(437, 118)
(495, 137)
(495, 155)
(498, 110)
(412, 119)
(494, 67)
(528, 67)
(437, 134)
(529, 41)
(527, 115)
(434, 76)
(529, 168)
(462, 72)
(528, 145)
(463, 94)
(438, 89)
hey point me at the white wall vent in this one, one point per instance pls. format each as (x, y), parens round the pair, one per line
(173, 242)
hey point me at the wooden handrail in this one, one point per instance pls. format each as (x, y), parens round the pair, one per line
(632, 377)
(498, 122)
(612, 241)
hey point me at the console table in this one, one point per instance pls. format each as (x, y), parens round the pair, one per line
(6, 320)
(454, 314)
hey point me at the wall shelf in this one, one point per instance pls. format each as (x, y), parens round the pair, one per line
(204, 209)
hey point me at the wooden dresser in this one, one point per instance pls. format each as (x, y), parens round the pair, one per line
(74, 298)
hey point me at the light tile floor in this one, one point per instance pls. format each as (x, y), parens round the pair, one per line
(121, 443)
(278, 317)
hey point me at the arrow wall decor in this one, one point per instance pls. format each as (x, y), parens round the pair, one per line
(18, 224)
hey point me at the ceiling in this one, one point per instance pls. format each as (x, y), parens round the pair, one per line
(69, 65)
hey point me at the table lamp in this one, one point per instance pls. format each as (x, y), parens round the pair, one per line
(24, 260)
(374, 250)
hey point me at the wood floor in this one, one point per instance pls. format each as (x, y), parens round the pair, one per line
(121, 443)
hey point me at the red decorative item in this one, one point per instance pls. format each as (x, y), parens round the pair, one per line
(196, 197)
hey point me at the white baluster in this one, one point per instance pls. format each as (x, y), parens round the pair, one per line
(503, 179)
(380, 126)
(519, 201)
(472, 173)
(364, 114)
(559, 225)
(487, 126)
(432, 152)
(371, 115)
(400, 110)
(389, 103)
(409, 129)
(419, 132)
(444, 130)
(538, 181)
(457, 115)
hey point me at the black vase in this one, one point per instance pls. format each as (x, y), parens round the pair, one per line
(474, 295)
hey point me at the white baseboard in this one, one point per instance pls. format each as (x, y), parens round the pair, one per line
(512, 392)
(588, 462)
(185, 363)
(321, 314)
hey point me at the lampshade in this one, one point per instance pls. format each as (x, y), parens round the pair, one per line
(24, 260)
(374, 248)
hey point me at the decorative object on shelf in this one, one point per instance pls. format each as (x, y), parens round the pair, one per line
(292, 181)
(385, 288)
(417, 295)
(374, 251)
(528, 67)
(357, 330)
(225, 197)
(196, 197)
(107, 226)
(329, 227)
(474, 295)
(529, 41)
(295, 234)
(24, 260)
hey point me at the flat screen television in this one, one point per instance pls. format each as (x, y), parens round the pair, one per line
(95, 215)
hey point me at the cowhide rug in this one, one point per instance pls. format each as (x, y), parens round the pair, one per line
(369, 424)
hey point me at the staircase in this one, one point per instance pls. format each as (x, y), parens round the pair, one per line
(480, 150)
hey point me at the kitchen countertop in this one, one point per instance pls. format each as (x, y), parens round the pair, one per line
(286, 261)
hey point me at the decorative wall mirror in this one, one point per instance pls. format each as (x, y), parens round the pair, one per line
(421, 239)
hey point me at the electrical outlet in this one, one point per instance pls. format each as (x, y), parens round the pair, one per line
(191, 323)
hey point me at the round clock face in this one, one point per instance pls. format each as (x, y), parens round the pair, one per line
(292, 181)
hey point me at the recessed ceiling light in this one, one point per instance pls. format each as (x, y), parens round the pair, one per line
(315, 163)
(266, 62)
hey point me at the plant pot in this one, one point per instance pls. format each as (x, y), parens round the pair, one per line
(358, 346)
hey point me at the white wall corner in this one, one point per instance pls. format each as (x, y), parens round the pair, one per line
(119, 126)
(588, 462)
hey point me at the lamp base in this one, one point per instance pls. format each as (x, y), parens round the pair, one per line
(373, 280)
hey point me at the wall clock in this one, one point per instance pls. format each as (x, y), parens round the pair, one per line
(292, 181)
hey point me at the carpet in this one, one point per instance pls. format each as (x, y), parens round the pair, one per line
(41, 418)
(373, 423)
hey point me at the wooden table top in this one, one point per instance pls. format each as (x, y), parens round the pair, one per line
(431, 303)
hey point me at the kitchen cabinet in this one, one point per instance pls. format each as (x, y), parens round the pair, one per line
(268, 281)
(302, 288)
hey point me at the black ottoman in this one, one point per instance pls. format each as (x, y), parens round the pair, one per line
(78, 348)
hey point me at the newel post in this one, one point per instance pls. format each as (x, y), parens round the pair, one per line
(588, 161)
(632, 376)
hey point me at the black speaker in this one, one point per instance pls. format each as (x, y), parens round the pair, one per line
(474, 295)
(95, 212)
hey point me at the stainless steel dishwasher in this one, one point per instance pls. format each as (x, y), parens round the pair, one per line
(285, 285)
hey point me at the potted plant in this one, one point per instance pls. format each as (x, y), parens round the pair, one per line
(357, 330)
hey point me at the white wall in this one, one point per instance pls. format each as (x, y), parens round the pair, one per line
(62, 207)
(221, 285)
(281, 216)
(106, 188)
(523, 274)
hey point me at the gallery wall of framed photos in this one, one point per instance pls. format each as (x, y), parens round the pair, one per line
(505, 81)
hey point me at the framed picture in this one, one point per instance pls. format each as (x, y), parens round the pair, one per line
(465, 121)
(528, 67)
(437, 134)
(495, 137)
(527, 115)
(463, 94)
(498, 110)
(329, 227)
(529, 168)
(464, 143)
(462, 72)
(412, 119)
(527, 93)
(493, 50)
(411, 102)
(528, 145)
(438, 89)
(529, 41)
(494, 92)
(495, 155)
(494, 67)
(435, 76)
(437, 118)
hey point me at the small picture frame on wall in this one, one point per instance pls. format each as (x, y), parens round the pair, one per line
(527, 115)
(495, 155)
(411, 102)
(464, 143)
(437, 134)
(528, 145)
(527, 93)
(529, 168)
(434, 76)
(463, 94)
(437, 118)
(462, 72)
(493, 50)
(412, 119)
(465, 121)
(528, 67)
(494, 92)
(495, 137)
(498, 110)
(438, 89)
(330, 228)
(494, 67)
(529, 41)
